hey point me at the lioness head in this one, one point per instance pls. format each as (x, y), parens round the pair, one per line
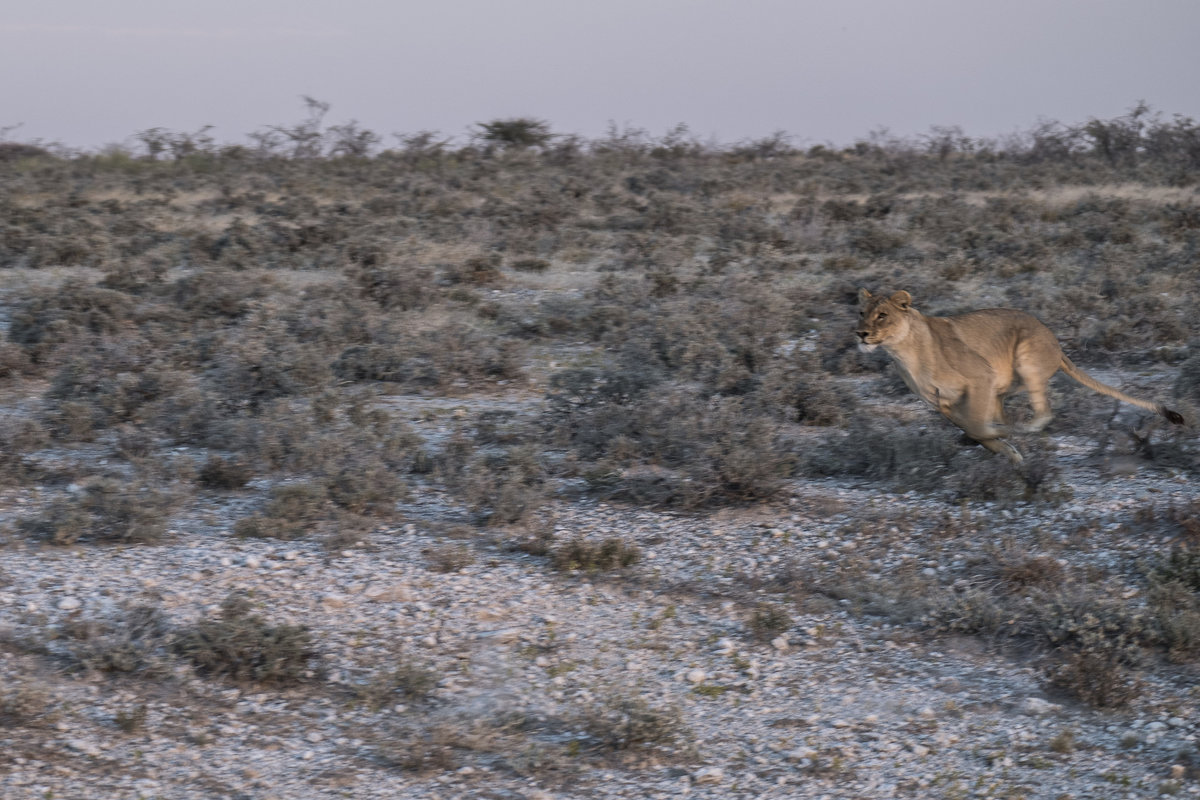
(882, 319)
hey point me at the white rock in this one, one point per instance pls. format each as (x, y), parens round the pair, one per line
(780, 643)
(88, 748)
(919, 750)
(253, 561)
(384, 593)
(696, 676)
(69, 604)
(801, 754)
(314, 736)
(331, 600)
(1036, 706)
(709, 775)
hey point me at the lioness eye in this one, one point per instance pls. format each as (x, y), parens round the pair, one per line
(882, 314)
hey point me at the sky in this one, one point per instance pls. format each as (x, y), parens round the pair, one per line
(87, 73)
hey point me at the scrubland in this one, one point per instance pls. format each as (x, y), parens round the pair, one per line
(539, 466)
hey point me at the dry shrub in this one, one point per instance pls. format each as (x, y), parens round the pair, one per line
(1176, 609)
(406, 681)
(51, 320)
(222, 473)
(438, 358)
(911, 457)
(621, 721)
(293, 511)
(502, 487)
(242, 646)
(134, 641)
(582, 554)
(18, 437)
(1021, 571)
(402, 287)
(768, 621)
(24, 705)
(450, 557)
(662, 446)
(1097, 644)
(104, 510)
(443, 741)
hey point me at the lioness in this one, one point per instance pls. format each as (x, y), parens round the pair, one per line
(965, 365)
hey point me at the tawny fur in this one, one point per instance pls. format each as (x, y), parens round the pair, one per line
(966, 364)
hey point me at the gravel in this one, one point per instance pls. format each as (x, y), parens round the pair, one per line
(846, 702)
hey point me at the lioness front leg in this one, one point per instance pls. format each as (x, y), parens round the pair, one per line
(981, 416)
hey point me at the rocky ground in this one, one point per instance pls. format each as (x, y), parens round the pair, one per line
(753, 652)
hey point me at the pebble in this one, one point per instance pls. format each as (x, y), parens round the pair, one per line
(332, 600)
(850, 698)
(1036, 706)
(801, 754)
(88, 748)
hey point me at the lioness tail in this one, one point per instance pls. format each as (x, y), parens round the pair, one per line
(1096, 386)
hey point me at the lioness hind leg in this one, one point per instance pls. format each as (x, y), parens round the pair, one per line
(1041, 411)
(1036, 379)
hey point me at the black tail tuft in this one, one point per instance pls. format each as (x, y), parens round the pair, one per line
(1172, 416)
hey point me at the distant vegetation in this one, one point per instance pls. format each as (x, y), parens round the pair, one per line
(186, 318)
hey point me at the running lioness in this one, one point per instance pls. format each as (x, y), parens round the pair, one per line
(965, 365)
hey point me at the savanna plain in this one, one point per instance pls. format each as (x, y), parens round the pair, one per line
(544, 467)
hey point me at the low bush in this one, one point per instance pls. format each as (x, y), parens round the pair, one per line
(222, 473)
(592, 556)
(768, 620)
(911, 457)
(241, 646)
(406, 682)
(104, 511)
(625, 722)
(23, 705)
(134, 641)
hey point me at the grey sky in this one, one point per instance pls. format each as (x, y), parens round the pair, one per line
(86, 72)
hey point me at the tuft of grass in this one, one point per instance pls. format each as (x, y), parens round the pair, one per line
(450, 558)
(768, 621)
(624, 722)
(589, 556)
(406, 681)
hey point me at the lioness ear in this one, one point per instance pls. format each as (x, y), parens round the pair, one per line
(901, 299)
(863, 296)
